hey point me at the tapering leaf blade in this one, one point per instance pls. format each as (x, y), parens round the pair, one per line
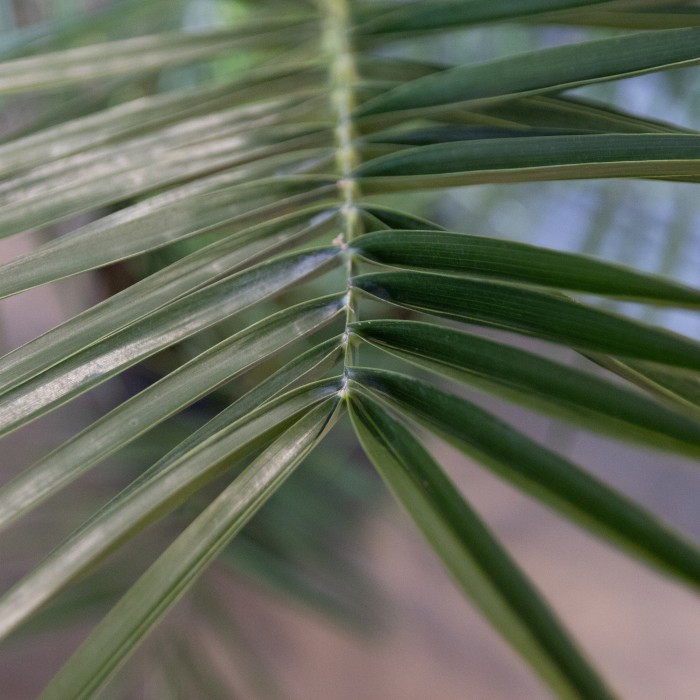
(430, 15)
(534, 158)
(175, 571)
(167, 326)
(154, 404)
(571, 112)
(545, 70)
(472, 555)
(536, 381)
(133, 56)
(212, 450)
(510, 261)
(548, 316)
(533, 468)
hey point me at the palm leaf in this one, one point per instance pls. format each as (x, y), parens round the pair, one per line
(177, 568)
(254, 207)
(470, 552)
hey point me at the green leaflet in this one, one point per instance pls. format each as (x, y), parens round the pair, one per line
(536, 470)
(535, 381)
(165, 327)
(137, 55)
(127, 167)
(509, 261)
(472, 555)
(141, 229)
(429, 15)
(548, 316)
(569, 112)
(394, 70)
(152, 122)
(432, 135)
(681, 390)
(678, 15)
(199, 459)
(159, 111)
(392, 218)
(546, 70)
(172, 393)
(312, 364)
(252, 418)
(28, 203)
(533, 158)
(148, 294)
(175, 571)
(60, 30)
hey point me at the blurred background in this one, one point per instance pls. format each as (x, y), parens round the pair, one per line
(329, 592)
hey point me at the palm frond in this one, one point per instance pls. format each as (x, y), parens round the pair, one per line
(270, 203)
